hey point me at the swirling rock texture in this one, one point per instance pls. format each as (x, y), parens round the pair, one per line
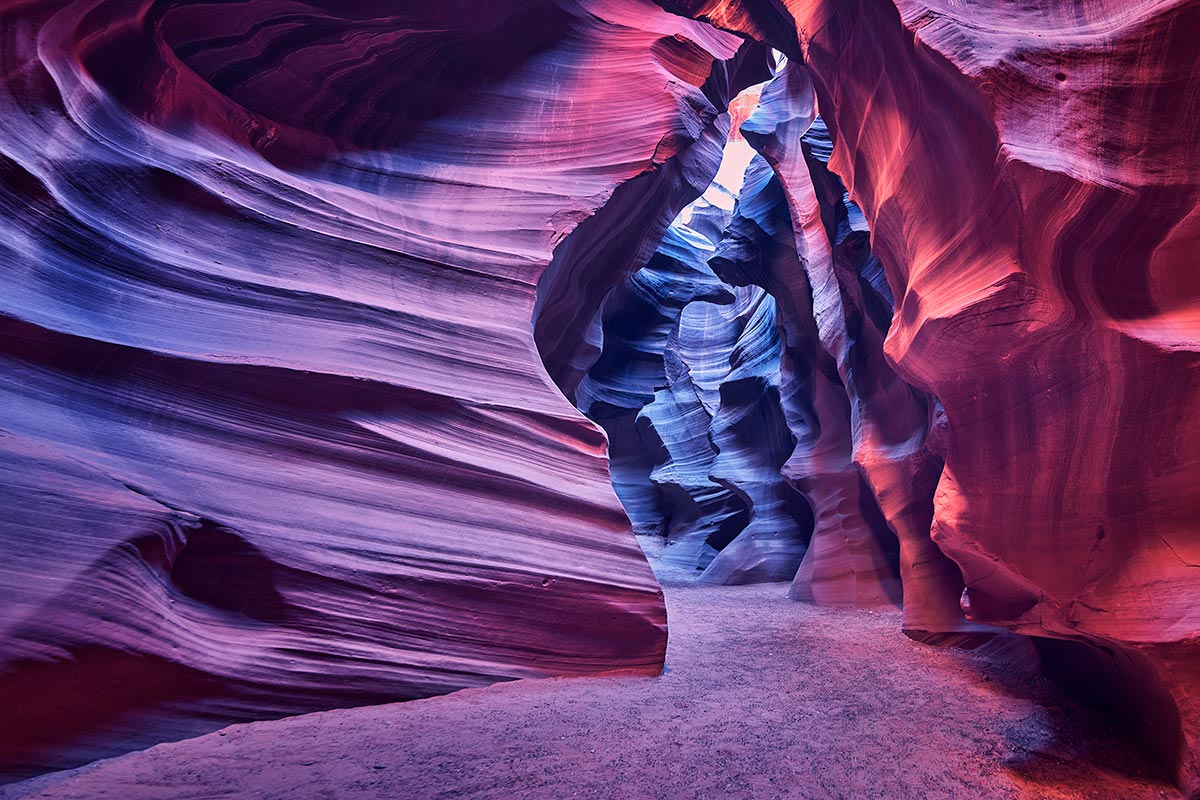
(751, 443)
(638, 319)
(687, 388)
(277, 434)
(728, 421)
(866, 462)
(705, 516)
(1030, 176)
(779, 396)
(851, 559)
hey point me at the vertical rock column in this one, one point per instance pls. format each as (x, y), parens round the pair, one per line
(890, 422)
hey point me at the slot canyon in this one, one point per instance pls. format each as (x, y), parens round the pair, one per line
(600, 399)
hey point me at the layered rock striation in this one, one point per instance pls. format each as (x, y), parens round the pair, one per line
(302, 303)
(872, 456)
(277, 433)
(687, 386)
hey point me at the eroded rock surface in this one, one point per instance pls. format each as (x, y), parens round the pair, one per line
(1030, 177)
(687, 386)
(299, 299)
(277, 434)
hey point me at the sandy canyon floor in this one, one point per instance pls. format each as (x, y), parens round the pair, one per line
(762, 698)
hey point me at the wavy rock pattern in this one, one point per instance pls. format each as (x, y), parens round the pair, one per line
(750, 435)
(687, 387)
(639, 318)
(296, 294)
(851, 559)
(277, 433)
(1030, 177)
(869, 467)
(705, 516)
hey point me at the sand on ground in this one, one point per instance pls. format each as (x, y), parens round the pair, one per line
(762, 697)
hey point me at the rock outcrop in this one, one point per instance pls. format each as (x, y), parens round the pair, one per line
(277, 435)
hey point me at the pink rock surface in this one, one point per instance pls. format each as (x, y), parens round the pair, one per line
(277, 434)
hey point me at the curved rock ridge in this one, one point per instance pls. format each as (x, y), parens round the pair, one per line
(785, 379)
(752, 442)
(638, 319)
(277, 436)
(622, 236)
(1030, 175)
(753, 399)
(723, 440)
(705, 515)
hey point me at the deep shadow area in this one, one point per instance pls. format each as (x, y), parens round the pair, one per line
(221, 569)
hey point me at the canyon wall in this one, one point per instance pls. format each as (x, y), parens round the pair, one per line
(1030, 176)
(742, 406)
(277, 434)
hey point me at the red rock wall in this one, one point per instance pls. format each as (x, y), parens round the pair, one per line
(1030, 176)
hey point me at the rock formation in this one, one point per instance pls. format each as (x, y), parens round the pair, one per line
(687, 386)
(277, 436)
(1030, 178)
(638, 319)
(851, 558)
(867, 464)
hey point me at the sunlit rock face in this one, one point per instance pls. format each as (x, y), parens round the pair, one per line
(277, 435)
(1030, 177)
